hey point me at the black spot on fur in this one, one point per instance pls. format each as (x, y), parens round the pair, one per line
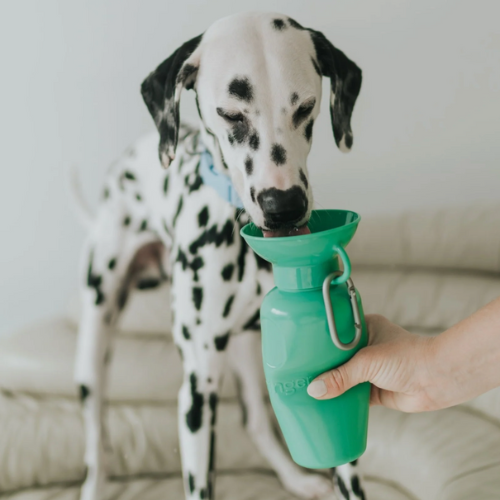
(241, 259)
(295, 24)
(138, 197)
(252, 194)
(356, 487)
(303, 178)
(279, 24)
(210, 236)
(182, 258)
(227, 307)
(178, 211)
(165, 184)
(354, 462)
(294, 98)
(195, 266)
(203, 217)
(191, 483)
(221, 341)
(204, 494)
(129, 175)
(316, 67)
(194, 416)
(241, 88)
(249, 165)
(198, 321)
(254, 141)
(343, 490)
(95, 281)
(230, 139)
(259, 289)
(211, 466)
(185, 332)
(144, 225)
(126, 221)
(148, 283)
(227, 272)
(254, 322)
(278, 154)
(112, 264)
(84, 393)
(212, 403)
(308, 131)
(105, 194)
(197, 180)
(197, 297)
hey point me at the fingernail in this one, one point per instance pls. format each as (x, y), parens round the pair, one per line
(316, 389)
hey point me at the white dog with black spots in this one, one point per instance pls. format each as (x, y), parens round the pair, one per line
(257, 78)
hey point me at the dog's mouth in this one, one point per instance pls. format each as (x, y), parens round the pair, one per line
(290, 231)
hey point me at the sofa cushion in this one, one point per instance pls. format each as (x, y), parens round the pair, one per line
(40, 359)
(464, 238)
(420, 456)
(453, 454)
(42, 440)
(424, 300)
(241, 486)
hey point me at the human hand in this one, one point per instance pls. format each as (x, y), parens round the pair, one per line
(395, 361)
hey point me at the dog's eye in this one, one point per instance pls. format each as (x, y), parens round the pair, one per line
(232, 118)
(303, 111)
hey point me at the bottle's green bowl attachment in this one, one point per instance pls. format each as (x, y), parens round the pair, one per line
(313, 321)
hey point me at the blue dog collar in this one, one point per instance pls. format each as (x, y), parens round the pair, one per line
(220, 182)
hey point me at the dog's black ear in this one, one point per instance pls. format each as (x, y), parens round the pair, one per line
(345, 79)
(161, 92)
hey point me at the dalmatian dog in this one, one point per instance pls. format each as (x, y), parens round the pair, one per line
(257, 79)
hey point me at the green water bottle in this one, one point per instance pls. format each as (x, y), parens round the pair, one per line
(313, 321)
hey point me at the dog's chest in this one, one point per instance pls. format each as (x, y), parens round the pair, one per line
(190, 217)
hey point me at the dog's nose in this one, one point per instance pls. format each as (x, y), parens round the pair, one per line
(283, 207)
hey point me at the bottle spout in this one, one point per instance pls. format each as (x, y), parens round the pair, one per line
(328, 229)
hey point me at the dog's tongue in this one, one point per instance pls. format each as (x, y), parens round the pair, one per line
(286, 232)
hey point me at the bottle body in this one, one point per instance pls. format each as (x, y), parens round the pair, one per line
(297, 347)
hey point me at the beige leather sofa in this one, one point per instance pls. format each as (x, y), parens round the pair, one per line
(424, 271)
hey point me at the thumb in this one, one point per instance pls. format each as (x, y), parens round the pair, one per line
(335, 382)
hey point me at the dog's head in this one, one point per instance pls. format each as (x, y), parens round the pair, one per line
(258, 83)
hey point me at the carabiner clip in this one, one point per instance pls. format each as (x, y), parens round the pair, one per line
(331, 317)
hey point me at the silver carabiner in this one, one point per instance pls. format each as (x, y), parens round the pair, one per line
(331, 317)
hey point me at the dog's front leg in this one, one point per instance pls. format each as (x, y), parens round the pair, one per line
(201, 336)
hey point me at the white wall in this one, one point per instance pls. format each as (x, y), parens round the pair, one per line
(426, 125)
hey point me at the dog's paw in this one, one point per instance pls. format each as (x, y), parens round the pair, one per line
(308, 486)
